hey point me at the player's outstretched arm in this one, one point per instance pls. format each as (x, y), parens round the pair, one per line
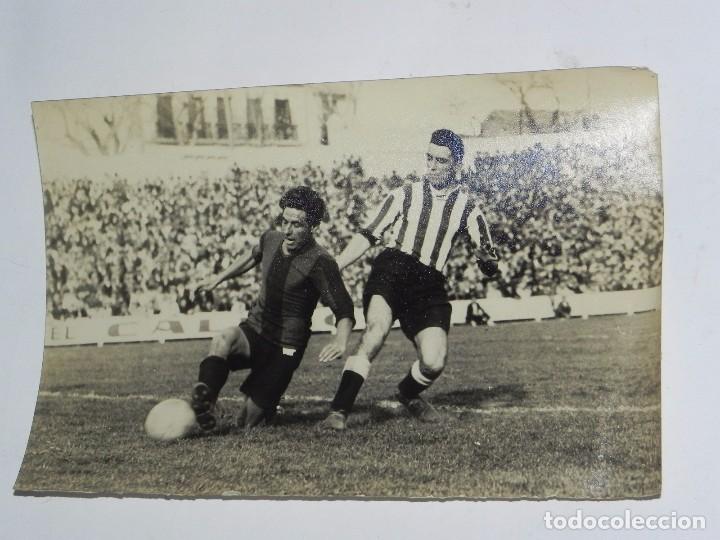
(245, 262)
(358, 245)
(335, 350)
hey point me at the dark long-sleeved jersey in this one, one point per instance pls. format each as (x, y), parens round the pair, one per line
(290, 289)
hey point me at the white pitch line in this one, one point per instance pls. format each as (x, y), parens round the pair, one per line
(559, 408)
(148, 397)
(513, 409)
(391, 405)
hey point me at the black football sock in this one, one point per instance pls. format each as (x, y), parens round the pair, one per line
(416, 381)
(347, 392)
(354, 374)
(214, 372)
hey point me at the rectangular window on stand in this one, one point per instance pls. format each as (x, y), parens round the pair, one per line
(165, 125)
(222, 119)
(254, 118)
(197, 118)
(284, 128)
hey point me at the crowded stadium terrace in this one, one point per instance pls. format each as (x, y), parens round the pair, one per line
(576, 218)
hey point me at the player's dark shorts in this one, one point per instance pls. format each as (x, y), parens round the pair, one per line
(414, 291)
(271, 368)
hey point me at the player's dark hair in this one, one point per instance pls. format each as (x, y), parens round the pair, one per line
(306, 199)
(450, 139)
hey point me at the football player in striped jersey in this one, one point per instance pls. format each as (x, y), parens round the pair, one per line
(296, 272)
(418, 225)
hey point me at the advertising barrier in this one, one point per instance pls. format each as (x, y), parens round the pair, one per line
(161, 328)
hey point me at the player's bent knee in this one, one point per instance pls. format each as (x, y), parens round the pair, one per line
(433, 368)
(432, 363)
(432, 349)
(222, 343)
(219, 346)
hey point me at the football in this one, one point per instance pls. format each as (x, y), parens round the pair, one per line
(170, 420)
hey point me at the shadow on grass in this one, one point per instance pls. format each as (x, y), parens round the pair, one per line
(381, 411)
(293, 414)
(503, 395)
(312, 416)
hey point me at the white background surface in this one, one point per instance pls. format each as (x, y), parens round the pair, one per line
(81, 49)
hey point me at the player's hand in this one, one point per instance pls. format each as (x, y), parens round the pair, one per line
(331, 351)
(492, 253)
(487, 259)
(489, 267)
(206, 285)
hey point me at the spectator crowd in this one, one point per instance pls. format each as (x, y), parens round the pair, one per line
(580, 218)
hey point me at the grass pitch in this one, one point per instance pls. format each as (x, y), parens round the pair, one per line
(567, 408)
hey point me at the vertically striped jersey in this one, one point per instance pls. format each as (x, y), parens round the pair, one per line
(425, 223)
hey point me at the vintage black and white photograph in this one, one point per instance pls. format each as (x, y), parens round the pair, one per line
(430, 288)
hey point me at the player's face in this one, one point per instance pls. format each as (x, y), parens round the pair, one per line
(440, 166)
(294, 226)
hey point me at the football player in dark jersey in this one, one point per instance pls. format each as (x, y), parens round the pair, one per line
(296, 273)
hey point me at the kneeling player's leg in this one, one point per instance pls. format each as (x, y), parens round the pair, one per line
(379, 319)
(214, 371)
(267, 382)
(255, 414)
